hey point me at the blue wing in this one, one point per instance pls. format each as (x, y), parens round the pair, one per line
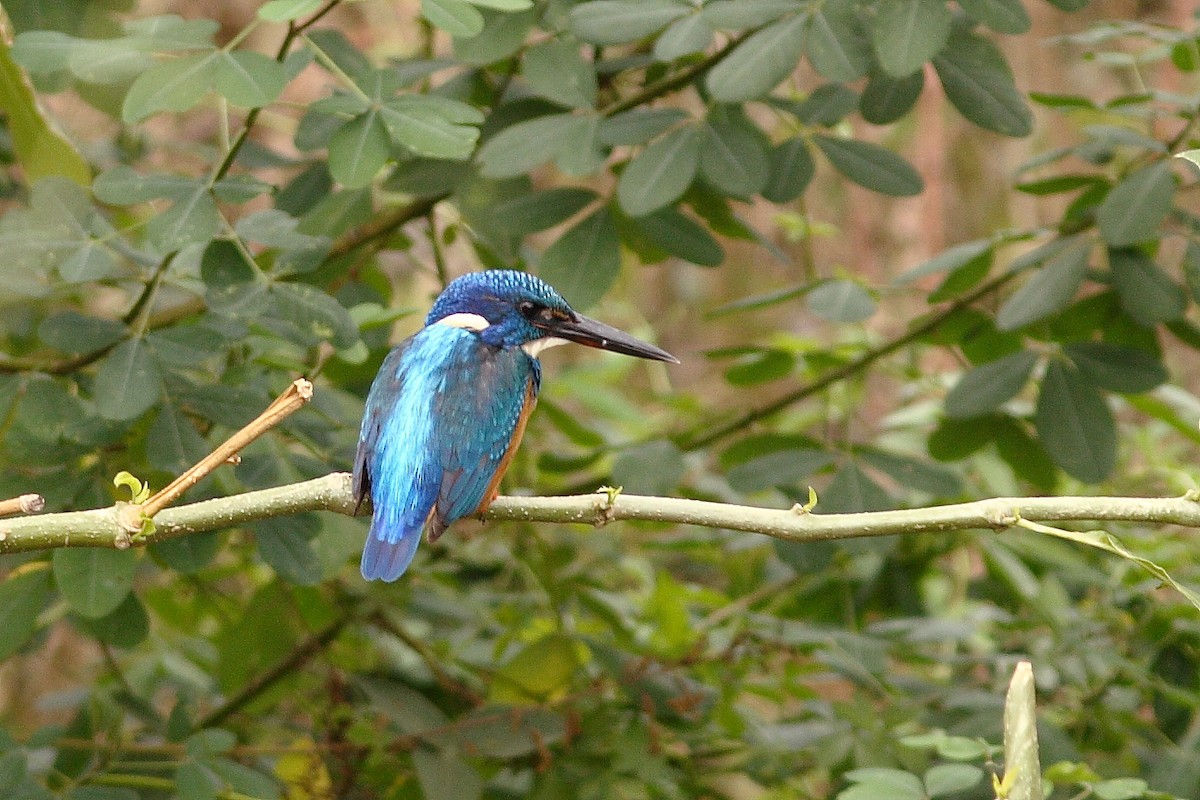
(440, 422)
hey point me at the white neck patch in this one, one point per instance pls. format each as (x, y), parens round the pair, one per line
(538, 345)
(472, 322)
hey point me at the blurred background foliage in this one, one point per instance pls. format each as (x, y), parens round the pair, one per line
(910, 251)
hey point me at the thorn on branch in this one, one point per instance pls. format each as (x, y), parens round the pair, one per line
(299, 393)
(25, 504)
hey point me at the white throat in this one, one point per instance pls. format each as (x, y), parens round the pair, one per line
(472, 322)
(538, 345)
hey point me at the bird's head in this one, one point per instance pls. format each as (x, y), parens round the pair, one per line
(509, 308)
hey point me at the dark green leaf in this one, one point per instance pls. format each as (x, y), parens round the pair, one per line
(886, 99)
(760, 63)
(1146, 292)
(172, 443)
(690, 34)
(620, 21)
(174, 85)
(638, 125)
(193, 219)
(907, 33)
(315, 314)
(1025, 454)
(828, 104)
(538, 211)
(502, 35)
(950, 260)
(1002, 16)
(556, 70)
(445, 775)
(1135, 208)
(282, 543)
(127, 626)
(248, 79)
(841, 301)
(455, 17)
(523, 146)
(585, 261)
(733, 157)
(187, 554)
(94, 580)
(955, 439)
(741, 14)
(680, 235)
(431, 127)
(1117, 368)
(760, 365)
(23, 595)
(978, 82)
(1048, 291)
(128, 382)
(782, 468)
(851, 491)
(661, 173)
(791, 168)
(915, 473)
(1075, 425)
(989, 386)
(359, 149)
(71, 332)
(653, 468)
(837, 46)
(871, 166)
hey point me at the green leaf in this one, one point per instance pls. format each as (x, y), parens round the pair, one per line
(123, 186)
(72, 332)
(445, 775)
(1075, 425)
(638, 125)
(907, 33)
(739, 15)
(1002, 16)
(175, 85)
(1136, 207)
(248, 79)
(782, 468)
(951, 778)
(950, 260)
(187, 554)
(40, 150)
(585, 260)
(23, 595)
(283, 545)
(314, 315)
(681, 236)
(287, 10)
(192, 219)
(871, 166)
(660, 174)
(1048, 291)
(990, 385)
(93, 261)
(556, 70)
(523, 146)
(650, 468)
(690, 34)
(620, 21)
(128, 382)
(94, 580)
(841, 301)
(359, 149)
(432, 127)
(503, 34)
(978, 82)
(539, 672)
(1146, 292)
(759, 64)
(790, 169)
(172, 443)
(1121, 789)
(872, 782)
(529, 213)
(127, 626)
(455, 17)
(1117, 368)
(733, 157)
(837, 46)
(886, 99)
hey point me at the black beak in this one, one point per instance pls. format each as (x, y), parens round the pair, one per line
(594, 333)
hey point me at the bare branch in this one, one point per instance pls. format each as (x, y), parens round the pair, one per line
(25, 504)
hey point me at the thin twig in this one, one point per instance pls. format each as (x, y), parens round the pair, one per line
(265, 680)
(299, 393)
(25, 504)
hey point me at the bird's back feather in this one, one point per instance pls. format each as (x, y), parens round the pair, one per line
(441, 418)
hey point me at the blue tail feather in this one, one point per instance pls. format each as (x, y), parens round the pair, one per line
(387, 554)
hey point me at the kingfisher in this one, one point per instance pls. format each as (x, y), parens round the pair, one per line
(449, 405)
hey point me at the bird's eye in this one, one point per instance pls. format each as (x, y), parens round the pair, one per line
(528, 309)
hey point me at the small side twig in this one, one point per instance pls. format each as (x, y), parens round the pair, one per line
(299, 393)
(25, 504)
